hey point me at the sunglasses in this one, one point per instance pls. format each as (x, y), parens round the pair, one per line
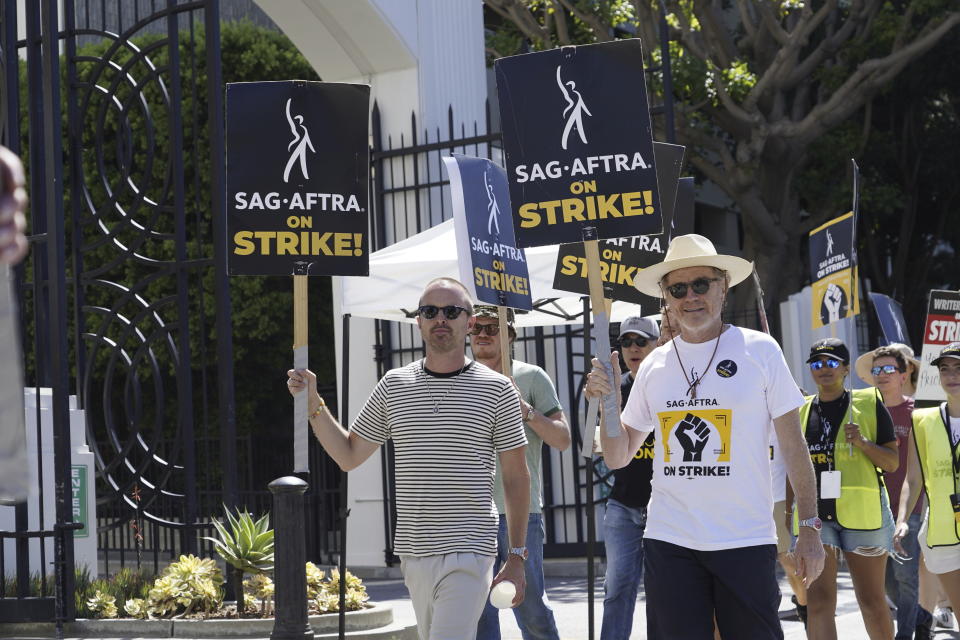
(816, 365)
(489, 329)
(887, 368)
(700, 286)
(626, 343)
(450, 312)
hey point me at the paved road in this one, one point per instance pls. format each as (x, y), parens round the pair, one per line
(568, 596)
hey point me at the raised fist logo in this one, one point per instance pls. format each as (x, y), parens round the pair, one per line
(834, 304)
(692, 434)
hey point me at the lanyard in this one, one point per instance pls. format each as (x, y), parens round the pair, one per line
(945, 417)
(825, 432)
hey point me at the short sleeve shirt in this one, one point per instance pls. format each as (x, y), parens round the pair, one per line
(711, 487)
(444, 459)
(537, 390)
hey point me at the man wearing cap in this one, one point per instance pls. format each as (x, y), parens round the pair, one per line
(709, 396)
(543, 422)
(626, 513)
(887, 368)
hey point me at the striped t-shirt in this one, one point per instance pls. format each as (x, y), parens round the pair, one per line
(445, 461)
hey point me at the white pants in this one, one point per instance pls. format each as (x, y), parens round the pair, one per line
(448, 593)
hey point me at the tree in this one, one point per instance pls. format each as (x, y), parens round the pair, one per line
(758, 85)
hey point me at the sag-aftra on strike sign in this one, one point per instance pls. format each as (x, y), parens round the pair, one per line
(578, 144)
(297, 174)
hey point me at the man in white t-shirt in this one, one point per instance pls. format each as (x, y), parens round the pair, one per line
(451, 420)
(710, 396)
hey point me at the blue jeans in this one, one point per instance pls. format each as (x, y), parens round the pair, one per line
(623, 536)
(534, 616)
(903, 581)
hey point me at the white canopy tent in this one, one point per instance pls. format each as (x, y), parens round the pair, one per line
(399, 272)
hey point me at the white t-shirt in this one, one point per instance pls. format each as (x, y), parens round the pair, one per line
(955, 430)
(711, 487)
(778, 470)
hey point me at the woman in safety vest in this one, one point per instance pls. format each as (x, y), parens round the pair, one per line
(851, 438)
(934, 452)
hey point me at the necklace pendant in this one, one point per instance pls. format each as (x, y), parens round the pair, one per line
(436, 409)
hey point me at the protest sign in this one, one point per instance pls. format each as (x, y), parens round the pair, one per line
(491, 265)
(578, 144)
(622, 258)
(890, 315)
(941, 328)
(297, 175)
(833, 272)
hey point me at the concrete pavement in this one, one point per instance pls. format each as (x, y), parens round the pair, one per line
(568, 596)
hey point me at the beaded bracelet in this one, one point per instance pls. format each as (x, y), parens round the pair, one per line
(317, 411)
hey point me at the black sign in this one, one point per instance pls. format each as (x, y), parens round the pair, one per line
(833, 272)
(578, 144)
(622, 258)
(297, 174)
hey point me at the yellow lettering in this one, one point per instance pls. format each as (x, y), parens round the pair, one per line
(530, 217)
(244, 246)
(633, 204)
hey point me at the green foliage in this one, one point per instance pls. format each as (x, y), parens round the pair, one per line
(258, 587)
(246, 545)
(188, 585)
(122, 586)
(324, 596)
(102, 605)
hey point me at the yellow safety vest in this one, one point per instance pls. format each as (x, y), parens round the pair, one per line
(860, 501)
(932, 438)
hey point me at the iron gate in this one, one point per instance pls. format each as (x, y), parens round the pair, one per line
(119, 294)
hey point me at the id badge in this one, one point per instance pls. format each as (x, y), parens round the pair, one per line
(830, 485)
(955, 503)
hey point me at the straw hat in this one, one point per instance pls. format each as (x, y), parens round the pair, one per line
(865, 363)
(691, 250)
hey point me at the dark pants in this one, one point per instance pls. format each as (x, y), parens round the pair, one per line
(686, 588)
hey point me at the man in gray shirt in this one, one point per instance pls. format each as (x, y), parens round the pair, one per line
(543, 421)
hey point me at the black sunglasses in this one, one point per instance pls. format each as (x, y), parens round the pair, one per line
(887, 368)
(450, 312)
(816, 365)
(626, 343)
(489, 329)
(700, 286)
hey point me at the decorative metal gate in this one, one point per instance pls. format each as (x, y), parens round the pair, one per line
(121, 303)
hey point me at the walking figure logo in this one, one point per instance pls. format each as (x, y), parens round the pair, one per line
(299, 145)
(829, 243)
(574, 110)
(493, 221)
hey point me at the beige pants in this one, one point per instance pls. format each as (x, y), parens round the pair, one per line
(448, 593)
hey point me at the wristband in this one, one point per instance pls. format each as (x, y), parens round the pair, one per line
(316, 412)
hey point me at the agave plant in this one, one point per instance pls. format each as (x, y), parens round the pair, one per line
(246, 545)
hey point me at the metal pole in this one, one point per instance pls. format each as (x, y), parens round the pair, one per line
(344, 511)
(290, 558)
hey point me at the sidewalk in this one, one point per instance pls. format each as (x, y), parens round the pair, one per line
(568, 596)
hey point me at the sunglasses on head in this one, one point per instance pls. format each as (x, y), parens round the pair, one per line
(887, 368)
(700, 286)
(626, 343)
(489, 329)
(816, 365)
(450, 312)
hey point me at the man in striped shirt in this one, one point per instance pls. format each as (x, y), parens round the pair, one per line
(450, 420)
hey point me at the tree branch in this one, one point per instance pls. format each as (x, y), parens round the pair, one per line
(517, 13)
(601, 30)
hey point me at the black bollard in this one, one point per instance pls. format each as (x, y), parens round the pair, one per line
(290, 558)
